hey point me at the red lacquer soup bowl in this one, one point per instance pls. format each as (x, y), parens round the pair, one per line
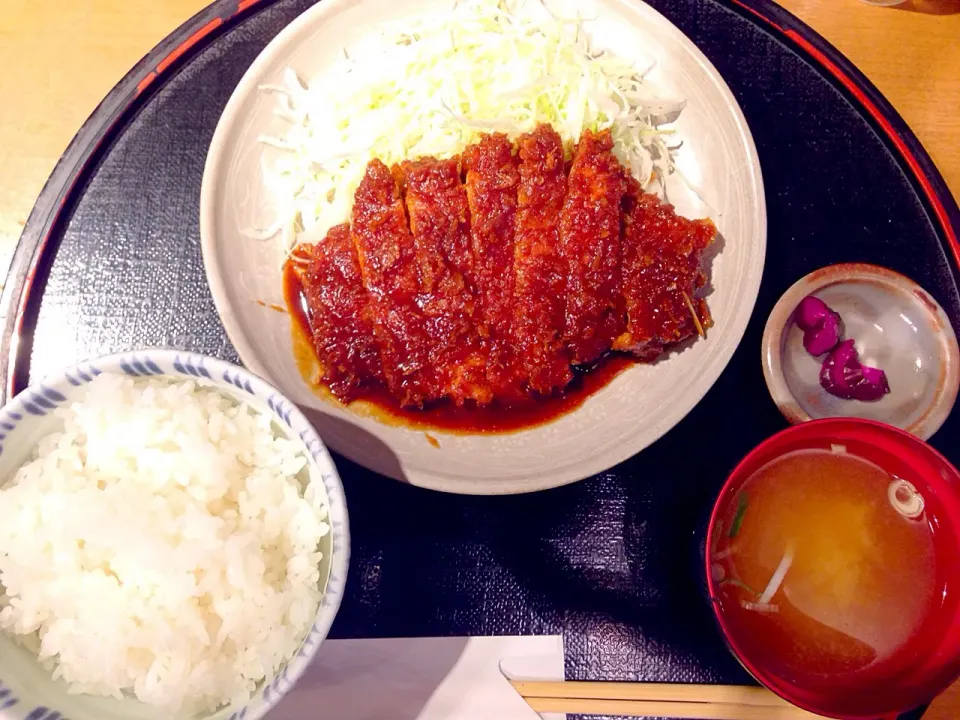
(833, 566)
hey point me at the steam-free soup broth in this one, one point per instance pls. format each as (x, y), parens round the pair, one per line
(825, 567)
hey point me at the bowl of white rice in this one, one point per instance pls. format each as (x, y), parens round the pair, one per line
(173, 542)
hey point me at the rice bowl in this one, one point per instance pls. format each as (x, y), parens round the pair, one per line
(190, 578)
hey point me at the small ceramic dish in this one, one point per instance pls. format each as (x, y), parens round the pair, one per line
(27, 690)
(897, 327)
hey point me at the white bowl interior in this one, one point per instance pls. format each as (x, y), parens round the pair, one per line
(31, 685)
(718, 157)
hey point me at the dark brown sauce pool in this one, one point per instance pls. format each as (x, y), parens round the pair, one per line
(496, 418)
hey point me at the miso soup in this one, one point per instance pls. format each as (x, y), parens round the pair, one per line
(825, 568)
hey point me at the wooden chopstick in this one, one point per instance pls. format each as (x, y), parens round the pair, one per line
(641, 708)
(679, 692)
(678, 700)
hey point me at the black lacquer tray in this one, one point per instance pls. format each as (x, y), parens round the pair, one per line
(110, 260)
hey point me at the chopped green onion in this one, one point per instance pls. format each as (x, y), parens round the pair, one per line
(740, 584)
(738, 518)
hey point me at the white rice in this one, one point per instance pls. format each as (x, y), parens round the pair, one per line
(161, 545)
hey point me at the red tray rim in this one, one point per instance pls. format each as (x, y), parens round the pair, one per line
(94, 137)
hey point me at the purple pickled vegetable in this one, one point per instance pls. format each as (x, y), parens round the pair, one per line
(842, 375)
(875, 376)
(824, 338)
(821, 325)
(810, 313)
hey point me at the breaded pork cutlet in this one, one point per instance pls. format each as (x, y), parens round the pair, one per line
(590, 244)
(539, 269)
(439, 218)
(388, 265)
(661, 275)
(340, 315)
(487, 277)
(491, 183)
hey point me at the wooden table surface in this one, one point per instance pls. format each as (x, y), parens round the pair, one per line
(62, 58)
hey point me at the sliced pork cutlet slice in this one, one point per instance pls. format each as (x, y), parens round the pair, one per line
(661, 275)
(388, 264)
(439, 217)
(491, 183)
(540, 271)
(590, 243)
(340, 314)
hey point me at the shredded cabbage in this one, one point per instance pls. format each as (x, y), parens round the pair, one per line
(433, 86)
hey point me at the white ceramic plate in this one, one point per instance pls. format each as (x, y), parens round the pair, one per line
(640, 405)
